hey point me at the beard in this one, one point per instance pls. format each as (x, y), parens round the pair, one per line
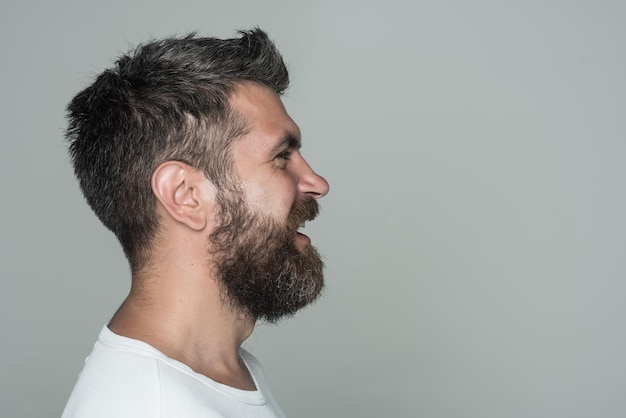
(261, 272)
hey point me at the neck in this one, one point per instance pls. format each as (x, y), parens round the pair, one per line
(180, 311)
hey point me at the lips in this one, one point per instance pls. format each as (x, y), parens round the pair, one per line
(301, 241)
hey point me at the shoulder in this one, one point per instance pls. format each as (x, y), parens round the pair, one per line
(119, 379)
(126, 378)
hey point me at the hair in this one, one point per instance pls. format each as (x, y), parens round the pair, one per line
(166, 100)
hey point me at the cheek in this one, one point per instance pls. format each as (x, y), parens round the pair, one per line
(275, 197)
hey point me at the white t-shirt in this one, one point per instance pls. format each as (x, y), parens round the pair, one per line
(127, 378)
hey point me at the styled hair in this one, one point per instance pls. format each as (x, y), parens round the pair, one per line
(166, 100)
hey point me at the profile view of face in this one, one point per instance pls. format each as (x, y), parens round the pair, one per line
(267, 268)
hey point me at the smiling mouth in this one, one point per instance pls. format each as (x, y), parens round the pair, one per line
(302, 212)
(300, 238)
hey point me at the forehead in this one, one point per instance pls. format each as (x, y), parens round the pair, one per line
(265, 114)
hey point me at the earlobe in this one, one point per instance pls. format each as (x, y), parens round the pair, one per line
(177, 187)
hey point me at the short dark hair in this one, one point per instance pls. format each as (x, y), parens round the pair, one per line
(166, 100)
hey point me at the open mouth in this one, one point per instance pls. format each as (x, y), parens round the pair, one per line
(300, 237)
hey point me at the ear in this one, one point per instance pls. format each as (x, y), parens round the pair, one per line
(182, 192)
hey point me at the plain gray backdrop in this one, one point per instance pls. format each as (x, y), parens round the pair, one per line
(474, 232)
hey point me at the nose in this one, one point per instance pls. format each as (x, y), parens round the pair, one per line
(310, 183)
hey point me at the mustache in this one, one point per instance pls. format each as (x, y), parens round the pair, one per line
(302, 211)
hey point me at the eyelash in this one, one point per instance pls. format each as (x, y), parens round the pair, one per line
(285, 155)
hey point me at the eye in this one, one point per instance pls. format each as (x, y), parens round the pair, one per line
(285, 155)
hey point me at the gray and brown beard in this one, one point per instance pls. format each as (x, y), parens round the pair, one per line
(261, 272)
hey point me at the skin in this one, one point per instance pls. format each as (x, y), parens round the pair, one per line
(175, 303)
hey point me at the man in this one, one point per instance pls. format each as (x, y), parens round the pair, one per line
(185, 152)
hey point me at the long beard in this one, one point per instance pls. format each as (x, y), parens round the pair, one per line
(262, 274)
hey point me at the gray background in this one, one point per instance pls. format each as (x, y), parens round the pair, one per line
(474, 233)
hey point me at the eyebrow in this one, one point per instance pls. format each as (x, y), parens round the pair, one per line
(287, 141)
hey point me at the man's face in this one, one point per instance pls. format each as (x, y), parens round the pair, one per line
(268, 269)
